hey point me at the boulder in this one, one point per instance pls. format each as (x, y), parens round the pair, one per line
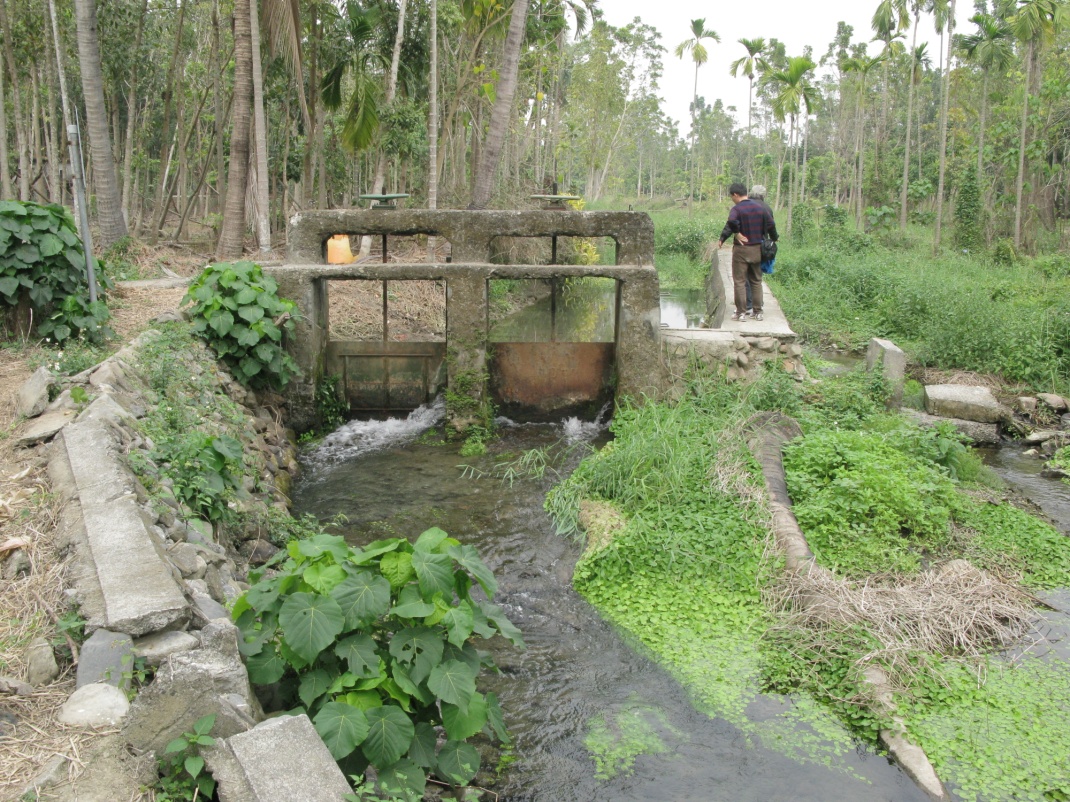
(963, 402)
(185, 557)
(1027, 404)
(1056, 402)
(982, 434)
(41, 665)
(257, 552)
(191, 685)
(282, 758)
(32, 398)
(96, 705)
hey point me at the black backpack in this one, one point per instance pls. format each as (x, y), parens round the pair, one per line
(768, 250)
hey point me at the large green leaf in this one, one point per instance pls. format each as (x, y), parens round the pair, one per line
(360, 655)
(28, 254)
(324, 578)
(468, 558)
(458, 762)
(422, 751)
(397, 568)
(405, 681)
(402, 780)
(462, 724)
(453, 682)
(342, 727)
(430, 540)
(458, 622)
(497, 721)
(50, 245)
(313, 685)
(310, 623)
(411, 605)
(435, 572)
(250, 314)
(419, 648)
(9, 286)
(390, 734)
(495, 614)
(322, 544)
(266, 667)
(363, 597)
(366, 554)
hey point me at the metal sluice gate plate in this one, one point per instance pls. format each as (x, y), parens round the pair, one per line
(387, 376)
(549, 379)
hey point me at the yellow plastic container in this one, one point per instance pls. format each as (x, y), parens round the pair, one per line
(338, 252)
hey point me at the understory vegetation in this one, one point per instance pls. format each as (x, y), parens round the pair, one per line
(692, 576)
(968, 311)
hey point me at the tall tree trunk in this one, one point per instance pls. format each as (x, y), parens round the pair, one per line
(943, 130)
(432, 126)
(1019, 185)
(219, 122)
(106, 181)
(694, 125)
(22, 144)
(910, 112)
(981, 133)
(263, 200)
(5, 169)
(233, 230)
(503, 108)
(131, 113)
(166, 137)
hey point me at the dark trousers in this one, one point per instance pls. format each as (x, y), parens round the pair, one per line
(747, 272)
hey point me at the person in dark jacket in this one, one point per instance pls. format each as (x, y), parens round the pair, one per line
(757, 193)
(749, 222)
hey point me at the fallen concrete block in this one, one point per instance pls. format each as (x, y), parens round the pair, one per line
(106, 657)
(893, 363)
(154, 649)
(982, 434)
(964, 402)
(32, 398)
(282, 758)
(43, 428)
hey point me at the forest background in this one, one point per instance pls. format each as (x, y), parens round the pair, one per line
(208, 119)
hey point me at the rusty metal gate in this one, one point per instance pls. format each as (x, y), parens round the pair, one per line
(551, 378)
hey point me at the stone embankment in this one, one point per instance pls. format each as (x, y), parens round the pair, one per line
(152, 581)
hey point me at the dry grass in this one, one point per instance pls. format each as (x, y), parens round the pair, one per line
(416, 309)
(955, 609)
(133, 307)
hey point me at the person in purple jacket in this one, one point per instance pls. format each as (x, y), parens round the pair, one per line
(748, 222)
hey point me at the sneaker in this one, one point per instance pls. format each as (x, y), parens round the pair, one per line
(740, 316)
(758, 316)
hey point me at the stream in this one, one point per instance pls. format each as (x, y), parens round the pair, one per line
(388, 480)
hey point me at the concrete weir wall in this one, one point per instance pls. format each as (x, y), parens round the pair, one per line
(304, 278)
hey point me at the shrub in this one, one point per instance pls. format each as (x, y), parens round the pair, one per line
(835, 217)
(685, 236)
(237, 310)
(802, 221)
(1004, 252)
(880, 218)
(376, 643)
(41, 259)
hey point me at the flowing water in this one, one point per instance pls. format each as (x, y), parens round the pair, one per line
(388, 480)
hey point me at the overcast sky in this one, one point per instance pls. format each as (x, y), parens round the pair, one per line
(794, 23)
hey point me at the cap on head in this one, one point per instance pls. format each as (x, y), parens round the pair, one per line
(757, 191)
(737, 189)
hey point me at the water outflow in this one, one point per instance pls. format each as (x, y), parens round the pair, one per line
(578, 670)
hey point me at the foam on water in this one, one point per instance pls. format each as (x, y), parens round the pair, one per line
(365, 436)
(583, 431)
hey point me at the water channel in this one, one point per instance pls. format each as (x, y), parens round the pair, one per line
(399, 477)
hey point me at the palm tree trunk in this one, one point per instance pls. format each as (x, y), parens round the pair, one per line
(910, 113)
(750, 133)
(943, 131)
(233, 229)
(263, 198)
(21, 140)
(106, 181)
(694, 108)
(503, 108)
(131, 114)
(219, 122)
(981, 133)
(1021, 149)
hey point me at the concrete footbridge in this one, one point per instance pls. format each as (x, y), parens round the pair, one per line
(538, 378)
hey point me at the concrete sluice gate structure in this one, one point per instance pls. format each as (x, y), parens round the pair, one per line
(523, 379)
(533, 379)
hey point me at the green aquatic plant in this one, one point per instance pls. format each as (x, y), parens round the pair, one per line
(615, 739)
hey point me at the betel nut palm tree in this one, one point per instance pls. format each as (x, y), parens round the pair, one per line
(699, 55)
(792, 94)
(749, 65)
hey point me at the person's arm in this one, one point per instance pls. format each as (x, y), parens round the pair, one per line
(770, 226)
(731, 227)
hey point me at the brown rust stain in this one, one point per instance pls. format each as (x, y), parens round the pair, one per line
(550, 376)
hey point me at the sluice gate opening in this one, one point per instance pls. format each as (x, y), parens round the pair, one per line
(541, 363)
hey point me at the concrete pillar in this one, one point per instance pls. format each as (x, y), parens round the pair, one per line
(466, 349)
(894, 364)
(308, 342)
(639, 359)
